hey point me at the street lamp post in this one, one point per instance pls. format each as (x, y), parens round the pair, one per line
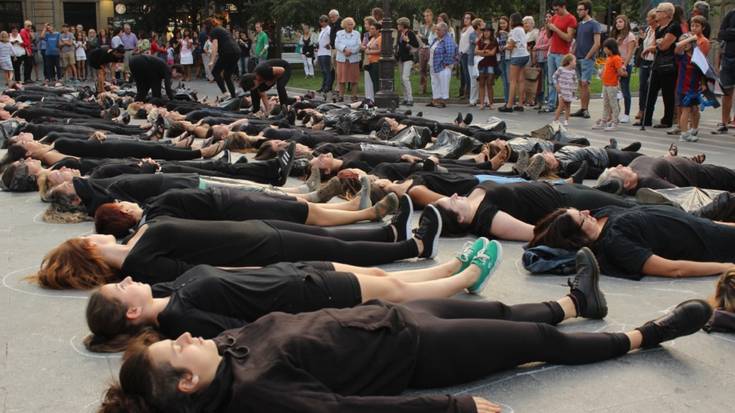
(386, 97)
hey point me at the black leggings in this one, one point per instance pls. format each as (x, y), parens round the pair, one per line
(226, 65)
(618, 157)
(124, 149)
(583, 197)
(33, 113)
(461, 341)
(665, 83)
(265, 172)
(199, 114)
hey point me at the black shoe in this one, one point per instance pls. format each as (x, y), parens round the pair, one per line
(291, 117)
(428, 165)
(581, 173)
(633, 147)
(578, 114)
(402, 218)
(586, 114)
(587, 282)
(458, 119)
(429, 230)
(285, 162)
(420, 115)
(125, 118)
(661, 126)
(242, 159)
(226, 157)
(721, 129)
(518, 108)
(613, 144)
(468, 119)
(407, 113)
(687, 318)
(505, 109)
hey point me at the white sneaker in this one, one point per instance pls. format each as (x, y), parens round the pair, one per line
(685, 137)
(694, 132)
(599, 124)
(611, 127)
(624, 118)
(565, 123)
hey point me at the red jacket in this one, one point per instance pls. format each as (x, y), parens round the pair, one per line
(26, 36)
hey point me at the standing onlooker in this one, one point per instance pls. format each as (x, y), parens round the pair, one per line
(93, 42)
(335, 24)
(701, 8)
(372, 57)
(561, 28)
(648, 38)
(442, 58)
(519, 58)
(307, 41)
(245, 47)
(565, 83)
(53, 53)
(586, 46)
(612, 72)
(487, 48)
(689, 81)
(186, 55)
(116, 42)
(130, 41)
(464, 49)
(664, 66)
(206, 58)
(225, 55)
(19, 52)
(541, 52)
(26, 33)
(627, 45)
(261, 44)
(726, 68)
(324, 54)
(144, 44)
(42, 50)
(348, 44)
(7, 53)
(68, 57)
(80, 55)
(528, 93)
(104, 38)
(426, 37)
(408, 49)
(444, 18)
(36, 49)
(477, 25)
(158, 46)
(504, 63)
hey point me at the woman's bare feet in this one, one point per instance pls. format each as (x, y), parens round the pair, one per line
(386, 206)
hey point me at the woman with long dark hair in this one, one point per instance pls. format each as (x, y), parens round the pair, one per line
(225, 53)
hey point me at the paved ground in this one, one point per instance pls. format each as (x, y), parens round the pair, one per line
(44, 368)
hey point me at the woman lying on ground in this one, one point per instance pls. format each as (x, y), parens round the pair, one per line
(308, 362)
(230, 204)
(568, 160)
(206, 301)
(644, 240)
(166, 247)
(509, 211)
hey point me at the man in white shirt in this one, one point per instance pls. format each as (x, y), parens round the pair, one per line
(324, 54)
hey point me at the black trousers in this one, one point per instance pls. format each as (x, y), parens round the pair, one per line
(124, 149)
(716, 177)
(265, 172)
(666, 83)
(201, 113)
(28, 63)
(144, 85)
(33, 113)
(224, 68)
(17, 63)
(461, 341)
(618, 157)
(583, 197)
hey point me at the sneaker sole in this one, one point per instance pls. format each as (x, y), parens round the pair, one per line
(407, 227)
(598, 295)
(435, 241)
(480, 288)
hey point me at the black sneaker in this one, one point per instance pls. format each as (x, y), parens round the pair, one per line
(505, 109)
(226, 157)
(429, 230)
(721, 129)
(402, 218)
(587, 282)
(586, 114)
(420, 115)
(458, 119)
(125, 118)
(468, 119)
(285, 162)
(581, 173)
(613, 144)
(578, 114)
(633, 147)
(518, 108)
(687, 318)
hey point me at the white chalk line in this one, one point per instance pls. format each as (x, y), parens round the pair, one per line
(35, 294)
(85, 353)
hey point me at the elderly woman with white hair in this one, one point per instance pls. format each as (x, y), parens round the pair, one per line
(348, 44)
(664, 69)
(442, 57)
(532, 76)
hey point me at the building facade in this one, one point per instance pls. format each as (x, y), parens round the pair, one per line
(89, 13)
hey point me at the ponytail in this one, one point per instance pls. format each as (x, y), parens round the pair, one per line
(724, 297)
(116, 401)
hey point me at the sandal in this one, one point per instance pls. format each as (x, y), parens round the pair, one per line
(699, 158)
(673, 150)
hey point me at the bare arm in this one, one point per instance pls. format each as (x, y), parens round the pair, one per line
(662, 267)
(423, 196)
(507, 227)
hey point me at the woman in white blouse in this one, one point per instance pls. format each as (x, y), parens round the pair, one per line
(348, 44)
(17, 42)
(519, 57)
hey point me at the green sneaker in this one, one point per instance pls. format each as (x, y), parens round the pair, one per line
(488, 260)
(468, 252)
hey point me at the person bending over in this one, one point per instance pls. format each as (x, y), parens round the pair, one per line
(148, 72)
(308, 363)
(273, 72)
(100, 58)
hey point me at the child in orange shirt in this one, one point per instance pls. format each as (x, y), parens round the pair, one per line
(614, 68)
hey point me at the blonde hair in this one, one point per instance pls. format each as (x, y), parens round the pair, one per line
(76, 264)
(4, 36)
(667, 8)
(724, 297)
(347, 20)
(42, 181)
(568, 58)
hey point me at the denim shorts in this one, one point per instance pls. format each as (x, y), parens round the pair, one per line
(519, 61)
(488, 70)
(585, 69)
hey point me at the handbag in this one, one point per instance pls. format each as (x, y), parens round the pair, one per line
(532, 73)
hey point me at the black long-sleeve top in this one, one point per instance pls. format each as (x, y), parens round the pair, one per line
(404, 48)
(171, 246)
(355, 360)
(205, 301)
(265, 71)
(151, 70)
(101, 56)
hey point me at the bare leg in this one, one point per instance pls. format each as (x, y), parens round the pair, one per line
(351, 205)
(442, 270)
(318, 215)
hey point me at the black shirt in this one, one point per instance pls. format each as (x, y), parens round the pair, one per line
(526, 201)
(171, 246)
(101, 56)
(225, 204)
(727, 33)
(333, 29)
(404, 49)
(225, 43)
(666, 57)
(446, 184)
(245, 46)
(632, 235)
(366, 161)
(665, 172)
(150, 70)
(206, 301)
(265, 71)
